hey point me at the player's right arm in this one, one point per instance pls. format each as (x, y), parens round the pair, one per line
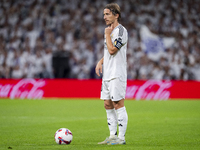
(99, 67)
(111, 48)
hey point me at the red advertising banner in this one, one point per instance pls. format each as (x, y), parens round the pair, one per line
(67, 88)
(163, 90)
(49, 88)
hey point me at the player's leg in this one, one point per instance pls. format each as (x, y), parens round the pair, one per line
(122, 118)
(118, 90)
(111, 113)
(112, 122)
(111, 117)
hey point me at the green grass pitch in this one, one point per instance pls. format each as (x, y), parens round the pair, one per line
(152, 125)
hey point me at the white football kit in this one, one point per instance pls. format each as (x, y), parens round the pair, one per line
(115, 66)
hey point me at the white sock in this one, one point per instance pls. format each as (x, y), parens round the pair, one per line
(122, 122)
(112, 121)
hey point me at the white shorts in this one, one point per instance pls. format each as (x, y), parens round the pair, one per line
(114, 90)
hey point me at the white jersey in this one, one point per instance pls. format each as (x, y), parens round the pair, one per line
(115, 66)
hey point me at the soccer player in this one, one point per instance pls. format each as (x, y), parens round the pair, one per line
(113, 65)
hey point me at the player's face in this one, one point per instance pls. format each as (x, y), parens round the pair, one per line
(108, 17)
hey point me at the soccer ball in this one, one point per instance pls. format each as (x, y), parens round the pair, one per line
(63, 136)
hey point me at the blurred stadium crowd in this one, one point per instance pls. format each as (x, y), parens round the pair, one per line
(32, 32)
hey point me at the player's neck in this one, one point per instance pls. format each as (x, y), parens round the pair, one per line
(116, 23)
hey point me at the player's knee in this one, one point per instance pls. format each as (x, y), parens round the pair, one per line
(118, 104)
(108, 106)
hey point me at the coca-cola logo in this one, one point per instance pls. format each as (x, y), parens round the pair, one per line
(5, 89)
(25, 88)
(156, 90)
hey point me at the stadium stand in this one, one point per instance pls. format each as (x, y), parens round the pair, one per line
(32, 32)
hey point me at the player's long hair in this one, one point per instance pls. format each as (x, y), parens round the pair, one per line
(115, 9)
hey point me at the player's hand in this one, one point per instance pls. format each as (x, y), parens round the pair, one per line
(109, 29)
(98, 68)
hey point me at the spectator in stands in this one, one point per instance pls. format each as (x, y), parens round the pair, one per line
(26, 26)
